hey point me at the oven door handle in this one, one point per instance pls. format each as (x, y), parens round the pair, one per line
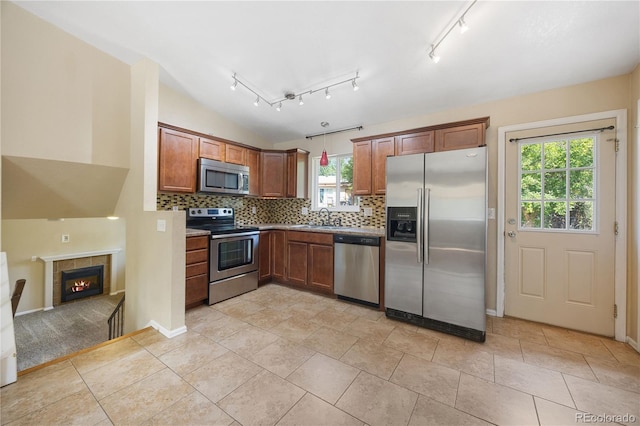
(239, 234)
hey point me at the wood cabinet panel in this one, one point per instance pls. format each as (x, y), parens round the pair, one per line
(212, 149)
(273, 169)
(414, 143)
(197, 256)
(297, 263)
(264, 256)
(278, 254)
(253, 162)
(177, 161)
(321, 267)
(310, 237)
(196, 271)
(235, 154)
(460, 137)
(196, 290)
(362, 155)
(195, 243)
(381, 149)
(297, 171)
(201, 268)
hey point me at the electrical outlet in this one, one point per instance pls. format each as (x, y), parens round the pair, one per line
(367, 211)
(305, 210)
(253, 210)
(65, 238)
(161, 225)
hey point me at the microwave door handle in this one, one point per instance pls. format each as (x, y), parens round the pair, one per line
(240, 181)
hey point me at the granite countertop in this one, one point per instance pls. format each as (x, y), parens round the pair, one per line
(368, 231)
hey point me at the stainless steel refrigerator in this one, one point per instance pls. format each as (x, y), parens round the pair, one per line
(436, 241)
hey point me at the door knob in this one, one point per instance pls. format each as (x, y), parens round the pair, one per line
(511, 234)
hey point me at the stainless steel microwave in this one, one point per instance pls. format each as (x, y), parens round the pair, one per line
(222, 178)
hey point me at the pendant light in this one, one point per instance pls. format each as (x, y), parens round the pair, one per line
(324, 160)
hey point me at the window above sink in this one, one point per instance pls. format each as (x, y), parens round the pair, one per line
(332, 185)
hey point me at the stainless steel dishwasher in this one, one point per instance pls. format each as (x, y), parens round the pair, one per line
(357, 268)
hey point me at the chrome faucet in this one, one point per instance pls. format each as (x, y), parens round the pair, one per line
(328, 221)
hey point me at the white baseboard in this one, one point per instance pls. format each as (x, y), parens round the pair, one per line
(31, 311)
(113, 293)
(633, 344)
(492, 312)
(168, 333)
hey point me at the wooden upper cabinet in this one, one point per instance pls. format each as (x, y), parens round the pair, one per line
(235, 154)
(177, 161)
(414, 143)
(382, 148)
(460, 137)
(212, 149)
(362, 184)
(297, 171)
(272, 173)
(252, 161)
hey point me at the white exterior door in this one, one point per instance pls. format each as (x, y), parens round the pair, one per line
(560, 226)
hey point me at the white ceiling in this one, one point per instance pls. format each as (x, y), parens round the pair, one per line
(512, 48)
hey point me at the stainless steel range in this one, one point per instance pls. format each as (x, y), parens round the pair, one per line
(233, 252)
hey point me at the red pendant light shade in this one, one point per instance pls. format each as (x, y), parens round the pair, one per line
(324, 160)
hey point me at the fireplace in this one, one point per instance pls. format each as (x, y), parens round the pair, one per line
(81, 282)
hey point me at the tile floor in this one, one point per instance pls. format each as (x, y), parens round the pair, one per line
(285, 357)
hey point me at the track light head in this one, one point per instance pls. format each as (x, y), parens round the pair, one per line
(300, 101)
(434, 57)
(327, 95)
(279, 107)
(355, 85)
(234, 85)
(257, 101)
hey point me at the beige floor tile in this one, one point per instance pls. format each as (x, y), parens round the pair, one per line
(597, 398)
(220, 328)
(372, 314)
(312, 411)
(411, 342)
(538, 381)
(226, 303)
(378, 402)
(194, 409)
(330, 342)
(433, 413)
(267, 318)
(497, 344)
(121, 373)
(364, 328)
(324, 376)
(295, 328)
(80, 408)
(397, 324)
(518, 329)
(306, 309)
(283, 303)
(623, 352)
(249, 341)
(196, 351)
(143, 400)
(613, 373)
(577, 342)
(158, 344)
(263, 400)
(109, 353)
(240, 310)
(373, 358)
(552, 414)
(495, 403)
(557, 359)
(334, 319)
(35, 391)
(468, 359)
(219, 377)
(427, 378)
(202, 313)
(489, 323)
(282, 357)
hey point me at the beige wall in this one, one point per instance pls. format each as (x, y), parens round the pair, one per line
(633, 243)
(603, 95)
(179, 110)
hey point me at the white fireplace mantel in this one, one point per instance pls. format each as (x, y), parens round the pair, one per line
(48, 270)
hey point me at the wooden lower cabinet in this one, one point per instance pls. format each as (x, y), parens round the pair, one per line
(310, 260)
(297, 254)
(320, 267)
(278, 253)
(264, 257)
(197, 271)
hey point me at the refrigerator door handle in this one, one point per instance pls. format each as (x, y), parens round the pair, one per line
(427, 198)
(419, 227)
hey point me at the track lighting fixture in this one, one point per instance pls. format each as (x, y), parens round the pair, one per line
(290, 95)
(458, 22)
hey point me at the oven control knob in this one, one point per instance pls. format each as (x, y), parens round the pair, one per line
(199, 211)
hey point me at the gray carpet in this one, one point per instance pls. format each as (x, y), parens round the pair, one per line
(46, 335)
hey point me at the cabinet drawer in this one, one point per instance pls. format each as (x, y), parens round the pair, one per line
(197, 256)
(197, 269)
(310, 237)
(195, 243)
(197, 288)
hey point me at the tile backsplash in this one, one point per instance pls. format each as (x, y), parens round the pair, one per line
(280, 210)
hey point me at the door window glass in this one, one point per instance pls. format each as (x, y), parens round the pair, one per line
(557, 184)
